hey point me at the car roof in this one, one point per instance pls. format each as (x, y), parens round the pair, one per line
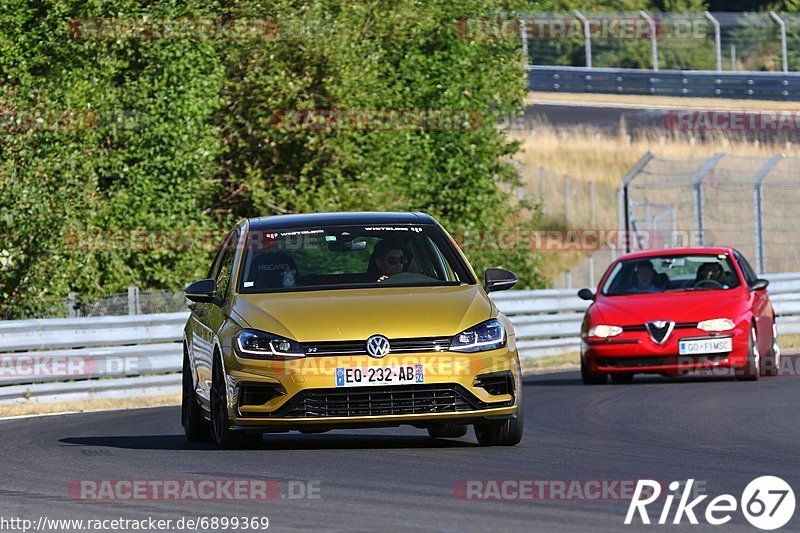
(677, 251)
(316, 220)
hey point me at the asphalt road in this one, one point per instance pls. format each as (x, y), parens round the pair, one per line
(721, 433)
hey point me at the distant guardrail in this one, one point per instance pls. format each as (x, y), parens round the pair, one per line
(690, 83)
(112, 357)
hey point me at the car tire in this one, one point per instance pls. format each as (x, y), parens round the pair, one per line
(621, 378)
(752, 369)
(590, 378)
(195, 426)
(225, 437)
(772, 362)
(501, 433)
(447, 431)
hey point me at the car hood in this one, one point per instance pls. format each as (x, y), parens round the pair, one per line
(355, 314)
(688, 306)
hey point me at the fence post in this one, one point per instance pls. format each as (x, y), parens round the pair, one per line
(587, 36)
(624, 210)
(566, 201)
(697, 182)
(134, 301)
(782, 24)
(717, 40)
(758, 212)
(72, 312)
(523, 30)
(542, 191)
(653, 38)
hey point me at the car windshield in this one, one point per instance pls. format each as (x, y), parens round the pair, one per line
(671, 273)
(350, 257)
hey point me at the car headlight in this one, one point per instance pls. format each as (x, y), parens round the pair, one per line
(716, 324)
(604, 331)
(488, 335)
(261, 345)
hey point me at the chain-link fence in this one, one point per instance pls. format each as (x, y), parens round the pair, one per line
(577, 220)
(722, 41)
(135, 301)
(749, 203)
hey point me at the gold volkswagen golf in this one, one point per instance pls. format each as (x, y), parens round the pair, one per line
(347, 320)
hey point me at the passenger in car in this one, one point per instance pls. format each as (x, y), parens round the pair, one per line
(712, 271)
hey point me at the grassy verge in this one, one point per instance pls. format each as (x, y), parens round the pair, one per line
(672, 101)
(789, 343)
(32, 408)
(590, 156)
(551, 363)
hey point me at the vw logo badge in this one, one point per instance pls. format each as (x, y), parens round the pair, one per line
(378, 346)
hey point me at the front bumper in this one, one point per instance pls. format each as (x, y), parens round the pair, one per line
(302, 393)
(635, 352)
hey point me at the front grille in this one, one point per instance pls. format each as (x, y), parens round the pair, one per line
(434, 344)
(382, 401)
(642, 327)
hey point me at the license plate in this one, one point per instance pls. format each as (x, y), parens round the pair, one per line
(705, 346)
(380, 375)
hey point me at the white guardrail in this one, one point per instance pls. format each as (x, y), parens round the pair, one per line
(120, 356)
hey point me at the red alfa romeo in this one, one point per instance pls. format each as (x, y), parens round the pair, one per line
(678, 311)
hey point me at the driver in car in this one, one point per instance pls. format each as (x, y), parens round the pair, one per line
(709, 271)
(644, 280)
(390, 258)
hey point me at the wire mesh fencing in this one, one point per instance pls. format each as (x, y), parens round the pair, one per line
(745, 202)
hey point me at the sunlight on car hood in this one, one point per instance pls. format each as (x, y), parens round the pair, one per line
(355, 314)
(685, 306)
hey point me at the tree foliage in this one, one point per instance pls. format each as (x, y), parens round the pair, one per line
(180, 134)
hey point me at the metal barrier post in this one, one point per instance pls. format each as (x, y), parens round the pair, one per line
(587, 37)
(542, 190)
(653, 38)
(72, 311)
(717, 40)
(782, 25)
(758, 210)
(523, 30)
(134, 301)
(697, 182)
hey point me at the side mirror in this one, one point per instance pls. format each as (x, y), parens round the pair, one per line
(586, 294)
(203, 291)
(759, 285)
(498, 279)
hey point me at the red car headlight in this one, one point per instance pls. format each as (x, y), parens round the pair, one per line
(716, 324)
(604, 331)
